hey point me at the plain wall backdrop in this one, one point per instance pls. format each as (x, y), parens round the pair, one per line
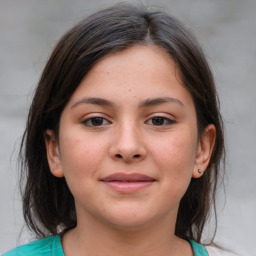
(227, 31)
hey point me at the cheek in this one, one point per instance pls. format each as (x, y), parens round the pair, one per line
(176, 151)
(80, 156)
(81, 159)
(175, 158)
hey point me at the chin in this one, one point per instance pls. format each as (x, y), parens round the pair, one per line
(130, 220)
(128, 226)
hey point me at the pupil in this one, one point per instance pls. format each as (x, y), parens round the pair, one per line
(158, 121)
(96, 121)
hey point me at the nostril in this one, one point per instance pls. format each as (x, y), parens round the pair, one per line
(134, 156)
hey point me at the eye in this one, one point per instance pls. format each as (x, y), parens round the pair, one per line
(95, 121)
(160, 121)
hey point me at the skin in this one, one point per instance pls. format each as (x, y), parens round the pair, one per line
(128, 137)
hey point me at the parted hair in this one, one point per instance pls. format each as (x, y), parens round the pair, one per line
(48, 205)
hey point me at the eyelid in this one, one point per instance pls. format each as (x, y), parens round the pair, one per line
(170, 120)
(90, 117)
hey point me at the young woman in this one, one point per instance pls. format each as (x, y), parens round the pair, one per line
(123, 142)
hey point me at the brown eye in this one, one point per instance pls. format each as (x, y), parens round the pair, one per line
(95, 121)
(160, 121)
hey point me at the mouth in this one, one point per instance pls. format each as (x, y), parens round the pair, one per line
(128, 183)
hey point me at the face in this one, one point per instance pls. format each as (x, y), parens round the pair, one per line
(128, 143)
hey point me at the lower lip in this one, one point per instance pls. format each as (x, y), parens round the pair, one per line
(128, 187)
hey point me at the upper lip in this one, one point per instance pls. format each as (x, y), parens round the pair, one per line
(127, 177)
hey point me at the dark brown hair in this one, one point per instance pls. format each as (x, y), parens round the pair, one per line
(48, 205)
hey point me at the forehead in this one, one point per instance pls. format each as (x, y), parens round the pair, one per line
(139, 58)
(138, 72)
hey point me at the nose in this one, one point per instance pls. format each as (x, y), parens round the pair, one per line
(127, 145)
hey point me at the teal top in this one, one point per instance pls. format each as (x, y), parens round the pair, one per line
(51, 246)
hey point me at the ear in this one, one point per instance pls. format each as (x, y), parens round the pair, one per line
(204, 151)
(53, 154)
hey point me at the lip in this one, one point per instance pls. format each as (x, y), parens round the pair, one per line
(128, 183)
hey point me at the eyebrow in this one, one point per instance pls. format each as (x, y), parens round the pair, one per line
(94, 101)
(158, 101)
(145, 103)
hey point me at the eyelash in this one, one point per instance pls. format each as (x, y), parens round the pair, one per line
(103, 121)
(166, 120)
(90, 120)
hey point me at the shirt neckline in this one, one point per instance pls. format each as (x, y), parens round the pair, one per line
(198, 249)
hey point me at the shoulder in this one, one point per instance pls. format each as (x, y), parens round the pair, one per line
(200, 250)
(213, 251)
(44, 247)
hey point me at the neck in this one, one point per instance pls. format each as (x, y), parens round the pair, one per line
(94, 238)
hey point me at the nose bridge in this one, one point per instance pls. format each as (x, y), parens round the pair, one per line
(128, 144)
(128, 134)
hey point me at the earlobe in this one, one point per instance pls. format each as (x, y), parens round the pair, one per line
(204, 151)
(53, 154)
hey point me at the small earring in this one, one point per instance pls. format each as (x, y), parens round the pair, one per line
(200, 171)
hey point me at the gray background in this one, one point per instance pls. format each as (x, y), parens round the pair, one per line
(227, 31)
